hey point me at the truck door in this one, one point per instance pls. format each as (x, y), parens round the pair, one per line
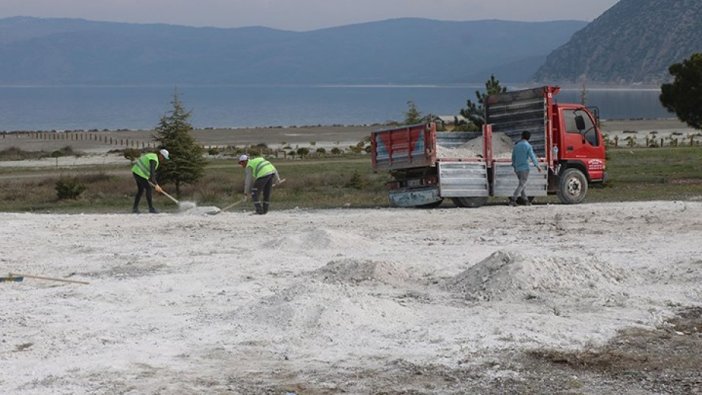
(583, 141)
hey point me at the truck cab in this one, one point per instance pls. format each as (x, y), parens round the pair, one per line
(580, 141)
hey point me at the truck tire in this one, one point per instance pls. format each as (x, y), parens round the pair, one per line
(471, 202)
(572, 187)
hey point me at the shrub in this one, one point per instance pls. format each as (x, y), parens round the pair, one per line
(302, 152)
(69, 188)
(356, 181)
(14, 153)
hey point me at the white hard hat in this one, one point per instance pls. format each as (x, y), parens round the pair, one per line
(164, 152)
(243, 158)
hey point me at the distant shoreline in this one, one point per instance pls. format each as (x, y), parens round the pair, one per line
(613, 123)
(97, 142)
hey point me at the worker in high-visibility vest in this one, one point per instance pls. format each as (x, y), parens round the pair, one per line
(260, 177)
(144, 172)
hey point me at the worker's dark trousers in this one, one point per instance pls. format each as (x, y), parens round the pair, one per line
(263, 186)
(142, 185)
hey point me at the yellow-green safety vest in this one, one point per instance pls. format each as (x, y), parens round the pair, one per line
(142, 168)
(260, 167)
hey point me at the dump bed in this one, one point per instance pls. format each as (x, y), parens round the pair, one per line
(403, 148)
(421, 146)
(511, 113)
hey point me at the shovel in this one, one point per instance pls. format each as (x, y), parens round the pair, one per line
(181, 206)
(225, 208)
(242, 200)
(238, 202)
(19, 277)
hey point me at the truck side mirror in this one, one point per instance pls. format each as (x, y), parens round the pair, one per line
(579, 122)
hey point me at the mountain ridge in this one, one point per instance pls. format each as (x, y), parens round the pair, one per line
(64, 51)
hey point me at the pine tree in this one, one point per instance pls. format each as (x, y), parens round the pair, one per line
(475, 112)
(186, 164)
(412, 115)
(683, 96)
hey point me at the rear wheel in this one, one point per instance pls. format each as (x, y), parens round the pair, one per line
(572, 187)
(470, 202)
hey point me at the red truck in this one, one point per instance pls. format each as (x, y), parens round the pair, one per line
(468, 167)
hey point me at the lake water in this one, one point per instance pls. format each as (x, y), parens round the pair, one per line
(60, 108)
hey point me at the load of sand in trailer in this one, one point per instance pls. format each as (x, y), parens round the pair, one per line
(501, 148)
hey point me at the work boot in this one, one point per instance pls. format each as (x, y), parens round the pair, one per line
(265, 208)
(512, 202)
(153, 210)
(259, 209)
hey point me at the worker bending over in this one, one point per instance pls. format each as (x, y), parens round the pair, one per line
(144, 172)
(260, 177)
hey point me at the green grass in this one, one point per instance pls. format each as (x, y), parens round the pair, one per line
(634, 174)
(652, 174)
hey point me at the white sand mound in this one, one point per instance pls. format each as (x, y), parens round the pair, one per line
(317, 238)
(508, 275)
(501, 148)
(357, 271)
(319, 308)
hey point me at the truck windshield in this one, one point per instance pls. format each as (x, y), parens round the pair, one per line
(589, 132)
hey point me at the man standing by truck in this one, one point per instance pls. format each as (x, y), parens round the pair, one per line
(521, 154)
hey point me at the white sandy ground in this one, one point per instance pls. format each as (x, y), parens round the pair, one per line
(237, 303)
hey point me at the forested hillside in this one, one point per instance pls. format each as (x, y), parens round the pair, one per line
(633, 42)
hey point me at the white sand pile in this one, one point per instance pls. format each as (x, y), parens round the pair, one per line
(511, 275)
(316, 238)
(354, 271)
(501, 145)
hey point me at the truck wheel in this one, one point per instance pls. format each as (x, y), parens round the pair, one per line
(572, 187)
(471, 202)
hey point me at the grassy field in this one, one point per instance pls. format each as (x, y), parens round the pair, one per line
(346, 181)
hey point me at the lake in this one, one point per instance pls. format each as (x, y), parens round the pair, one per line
(140, 107)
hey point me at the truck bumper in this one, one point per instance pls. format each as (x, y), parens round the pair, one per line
(414, 197)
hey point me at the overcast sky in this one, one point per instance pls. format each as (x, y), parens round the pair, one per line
(301, 15)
